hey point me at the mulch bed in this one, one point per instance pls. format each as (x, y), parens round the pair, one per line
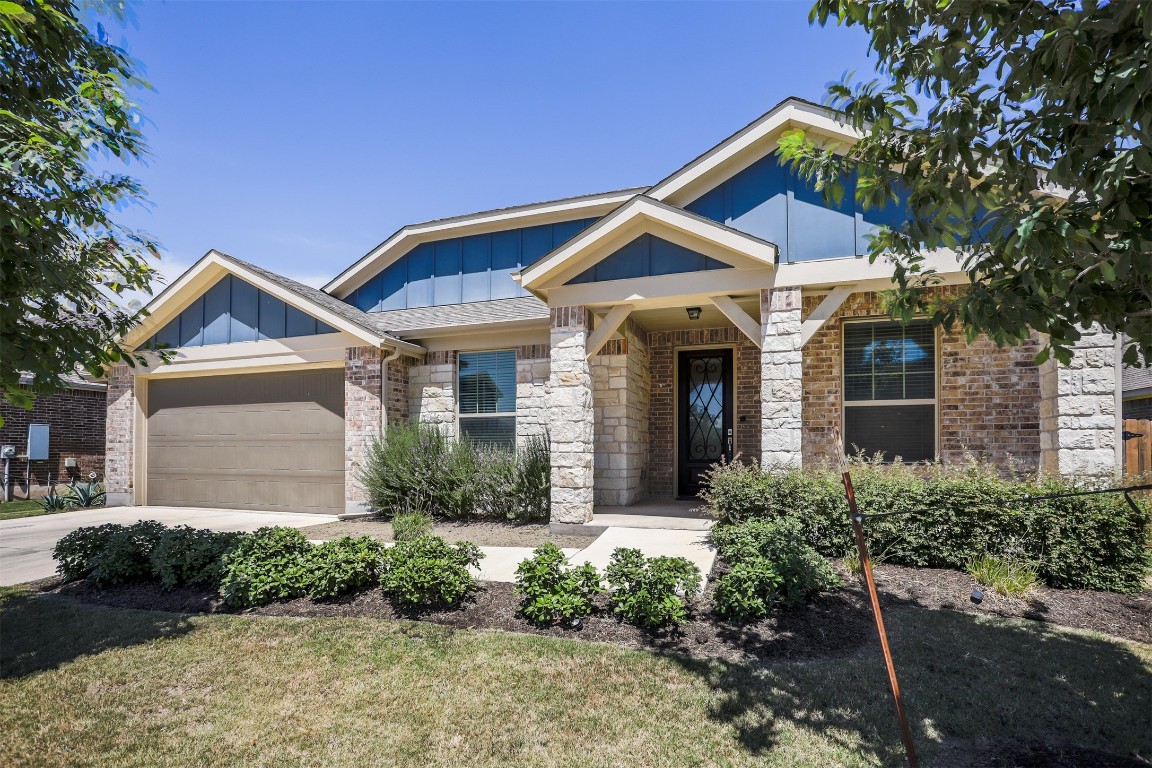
(831, 625)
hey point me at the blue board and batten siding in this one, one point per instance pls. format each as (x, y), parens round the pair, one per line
(771, 202)
(232, 311)
(647, 256)
(462, 269)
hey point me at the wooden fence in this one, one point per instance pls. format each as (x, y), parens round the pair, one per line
(1138, 450)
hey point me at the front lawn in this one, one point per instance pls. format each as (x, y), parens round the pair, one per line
(88, 685)
(10, 510)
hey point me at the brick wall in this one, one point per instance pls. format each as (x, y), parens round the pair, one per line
(988, 398)
(76, 426)
(662, 346)
(119, 432)
(396, 390)
(363, 405)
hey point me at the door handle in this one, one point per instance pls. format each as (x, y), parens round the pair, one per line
(729, 456)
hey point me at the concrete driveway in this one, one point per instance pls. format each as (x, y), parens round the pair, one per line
(26, 543)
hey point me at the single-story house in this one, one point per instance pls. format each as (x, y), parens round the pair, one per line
(70, 422)
(726, 311)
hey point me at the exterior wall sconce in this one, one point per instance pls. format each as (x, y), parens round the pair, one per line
(693, 313)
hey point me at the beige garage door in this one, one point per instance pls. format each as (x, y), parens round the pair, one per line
(271, 441)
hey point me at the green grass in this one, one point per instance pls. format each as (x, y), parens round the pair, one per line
(85, 685)
(1005, 576)
(10, 510)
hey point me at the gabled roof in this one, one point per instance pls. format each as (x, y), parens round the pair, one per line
(746, 146)
(407, 237)
(638, 216)
(214, 265)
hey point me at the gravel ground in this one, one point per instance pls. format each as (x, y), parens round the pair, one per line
(483, 534)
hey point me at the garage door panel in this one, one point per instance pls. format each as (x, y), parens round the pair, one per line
(257, 441)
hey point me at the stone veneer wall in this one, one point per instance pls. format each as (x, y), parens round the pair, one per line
(532, 370)
(988, 397)
(781, 386)
(432, 391)
(570, 415)
(363, 415)
(119, 435)
(1078, 408)
(662, 347)
(621, 393)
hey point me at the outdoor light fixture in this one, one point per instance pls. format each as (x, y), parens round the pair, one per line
(693, 313)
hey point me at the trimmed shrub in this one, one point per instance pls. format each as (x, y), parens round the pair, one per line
(411, 525)
(76, 552)
(108, 554)
(416, 467)
(1004, 575)
(785, 552)
(749, 591)
(1087, 542)
(651, 592)
(270, 564)
(343, 565)
(552, 591)
(185, 556)
(428, 572)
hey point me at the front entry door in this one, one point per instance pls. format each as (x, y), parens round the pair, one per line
(704, 421)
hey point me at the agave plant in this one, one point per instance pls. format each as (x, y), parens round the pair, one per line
(90, 494)
(55, 502)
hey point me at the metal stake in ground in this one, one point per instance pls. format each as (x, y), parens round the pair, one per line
(866, 568)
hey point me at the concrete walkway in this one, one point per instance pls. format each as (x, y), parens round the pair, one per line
(26, 543)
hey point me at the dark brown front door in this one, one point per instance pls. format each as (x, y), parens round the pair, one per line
(704, 421)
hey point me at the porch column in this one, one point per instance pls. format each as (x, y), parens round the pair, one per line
(780, 377)
(570, 416)
(119, 431)
(1078, 409)
(363, 412)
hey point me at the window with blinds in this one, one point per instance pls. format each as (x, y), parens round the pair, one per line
(486, 383)
(890, 389)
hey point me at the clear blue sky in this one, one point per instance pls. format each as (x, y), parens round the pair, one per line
(299, 135)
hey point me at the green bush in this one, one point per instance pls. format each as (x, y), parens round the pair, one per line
(185, 556)
(416, 467)
(343, 565)
(651, 592)
(428, 572)
(75, 554)
(781, 544)
(1007, 576)
(1087, 542)
(411, 525)
(270, 564)
(127, 554)
(749, 591)
(90, 494)
(552, 591)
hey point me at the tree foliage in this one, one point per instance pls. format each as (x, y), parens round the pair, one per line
(65, 107)
(1019, 135)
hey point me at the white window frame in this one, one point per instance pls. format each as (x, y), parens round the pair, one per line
(845, 403)
(461, 417)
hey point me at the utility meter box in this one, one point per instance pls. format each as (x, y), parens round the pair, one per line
(37, 442)
(7, 451)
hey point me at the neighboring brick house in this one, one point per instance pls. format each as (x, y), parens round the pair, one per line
(725, 312)
(75, 417)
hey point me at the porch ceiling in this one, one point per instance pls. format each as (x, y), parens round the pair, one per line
(676, 318)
